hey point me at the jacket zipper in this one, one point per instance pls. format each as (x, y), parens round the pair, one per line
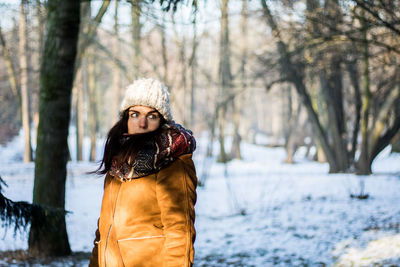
(109, 230)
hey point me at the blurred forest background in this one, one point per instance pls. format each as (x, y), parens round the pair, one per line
(324, 74)
(321, 74)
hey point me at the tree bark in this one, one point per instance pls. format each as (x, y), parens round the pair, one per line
(56, 80)
(23, 62)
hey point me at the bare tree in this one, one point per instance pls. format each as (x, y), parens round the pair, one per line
(294, 75)
(331, 44)
(63, 18)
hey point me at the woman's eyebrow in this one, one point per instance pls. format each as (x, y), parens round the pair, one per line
(137, 111)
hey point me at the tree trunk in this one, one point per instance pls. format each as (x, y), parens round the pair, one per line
(81, 87)
(182, 59)
(40, 21)
(334, 88)
(80, 123)
(352, 69)
(92, 116)
(117, 74)
(363, 164)
(40, 11)
(238, 101)
(10, 69)
(193, 69)
(291, 144)
(396, 143)
(136, 36)
(225, 78)
(54, 117)
(164, 51)
(23, 61)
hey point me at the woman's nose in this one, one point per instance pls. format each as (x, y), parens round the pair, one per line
(143, 122)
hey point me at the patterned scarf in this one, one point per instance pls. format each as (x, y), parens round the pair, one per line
(153, 151)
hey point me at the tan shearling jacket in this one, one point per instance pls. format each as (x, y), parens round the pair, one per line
(149, 221)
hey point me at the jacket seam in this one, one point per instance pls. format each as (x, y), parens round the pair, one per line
(139, 238)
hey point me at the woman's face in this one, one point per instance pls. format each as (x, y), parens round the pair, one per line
(142, 119)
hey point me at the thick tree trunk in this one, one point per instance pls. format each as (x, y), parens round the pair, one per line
(23, 62)
(327, 64)
(56, 80)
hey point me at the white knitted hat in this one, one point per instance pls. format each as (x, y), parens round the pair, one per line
(147, 92)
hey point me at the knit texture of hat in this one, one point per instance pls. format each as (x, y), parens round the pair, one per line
(147, 92)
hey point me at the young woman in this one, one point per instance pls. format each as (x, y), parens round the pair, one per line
(147, 213)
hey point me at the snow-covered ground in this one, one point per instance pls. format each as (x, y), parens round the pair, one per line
(254, 212)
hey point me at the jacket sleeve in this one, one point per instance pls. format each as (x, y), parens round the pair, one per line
(176, 196)
(94, 260)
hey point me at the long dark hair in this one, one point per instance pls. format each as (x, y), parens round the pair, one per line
(124, 147)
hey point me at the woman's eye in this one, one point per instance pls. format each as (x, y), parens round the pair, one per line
(134, 115)
(152, 117)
